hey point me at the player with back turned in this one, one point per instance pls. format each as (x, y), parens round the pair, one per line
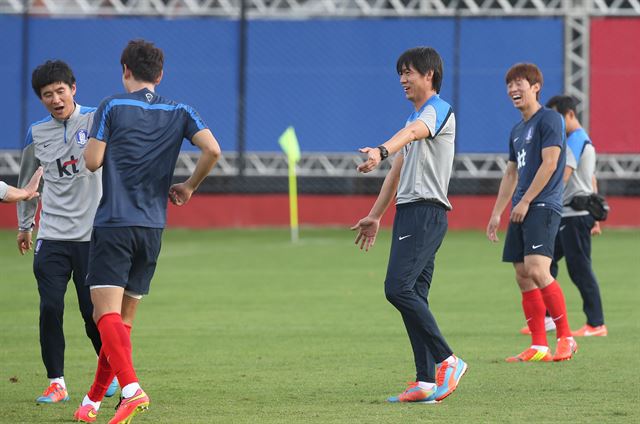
(136, 139)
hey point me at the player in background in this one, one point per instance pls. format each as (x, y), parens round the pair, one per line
(533, 181)
(70, 196)
(136, 139)
(10, 194)
(576, 227)
(419, 179)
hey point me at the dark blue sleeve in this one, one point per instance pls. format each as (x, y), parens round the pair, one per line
(552, 130)
(512, 153)
(100, 128)
(193, 122)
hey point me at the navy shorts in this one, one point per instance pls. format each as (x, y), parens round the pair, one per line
(124, 257)
(536, 235)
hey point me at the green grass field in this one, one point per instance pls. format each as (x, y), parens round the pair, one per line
(244, 327)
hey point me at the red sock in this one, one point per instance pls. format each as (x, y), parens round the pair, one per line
(534, 312)
(116, 345)
(104, 375)
(554, 301)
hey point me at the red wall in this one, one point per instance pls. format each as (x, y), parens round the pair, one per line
(615, 84)
(219, 211)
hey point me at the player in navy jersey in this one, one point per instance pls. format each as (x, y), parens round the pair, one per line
(533, 181)
(419, 179)
(136, 139)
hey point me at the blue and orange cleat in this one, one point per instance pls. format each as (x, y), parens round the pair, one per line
(85, 414)
(53, 394)
(531, 355)
(127, 408)
(565, 349)
(448, 376)
(113, 387)
(415, 393)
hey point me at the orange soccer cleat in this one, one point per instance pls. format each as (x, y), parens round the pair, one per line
(415, 393)
(127, 408)
(567, 346)
(53, 394)
(85, 414)
(589, 331)
(531, 355)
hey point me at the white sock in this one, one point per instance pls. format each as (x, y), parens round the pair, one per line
(130, 390)
(87, 401)
(426, 386)
(60, 381)
(451, 359)
(539, 348)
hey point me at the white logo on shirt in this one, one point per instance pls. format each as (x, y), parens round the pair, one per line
(149, 97)
(534, 246)
(529, 135)
(521, 158)
(82, 137)
(404, 237)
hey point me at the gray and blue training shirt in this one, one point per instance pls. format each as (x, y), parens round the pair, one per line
(428, 162)
(70, 192)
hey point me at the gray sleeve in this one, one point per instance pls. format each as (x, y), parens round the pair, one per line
(571, 159)
(428, 116)
(27, 209)
(3, 189)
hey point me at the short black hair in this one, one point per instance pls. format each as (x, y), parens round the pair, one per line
(423, 59)
(563, 104)
(144, 60)
(50, 72)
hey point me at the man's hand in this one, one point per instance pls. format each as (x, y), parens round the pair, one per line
(179, 194)
(24, 241)
(519, 212)
(31, 188)
(596, 230)
(367, 230)
(373, 159)
(492, 228)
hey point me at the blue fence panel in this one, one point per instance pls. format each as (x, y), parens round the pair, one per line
(11, 75)
(335, 81)
(200, 62)
(488, 48)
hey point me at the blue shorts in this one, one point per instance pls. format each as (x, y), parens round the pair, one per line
(536, 235)
(124, 257)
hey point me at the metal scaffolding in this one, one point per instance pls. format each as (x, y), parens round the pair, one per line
(274, 164)
(297, 9)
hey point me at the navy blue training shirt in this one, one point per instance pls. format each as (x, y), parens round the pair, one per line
(143, 133)
(544, 129)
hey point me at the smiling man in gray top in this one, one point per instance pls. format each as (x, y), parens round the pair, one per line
(420, 176)
(69, 200)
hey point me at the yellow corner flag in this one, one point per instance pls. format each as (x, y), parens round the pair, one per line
(289, 144)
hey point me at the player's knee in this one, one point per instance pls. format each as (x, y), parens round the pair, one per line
(50, 307)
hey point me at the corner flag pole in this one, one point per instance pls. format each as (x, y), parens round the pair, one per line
(289, 144)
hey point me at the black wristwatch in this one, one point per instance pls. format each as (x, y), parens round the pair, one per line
(384, 153)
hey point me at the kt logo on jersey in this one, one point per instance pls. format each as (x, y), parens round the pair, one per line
(63, 167)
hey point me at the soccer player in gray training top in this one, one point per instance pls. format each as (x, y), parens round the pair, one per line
(9, 194)
(420, 176)
(69, 200)
(576, 227)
